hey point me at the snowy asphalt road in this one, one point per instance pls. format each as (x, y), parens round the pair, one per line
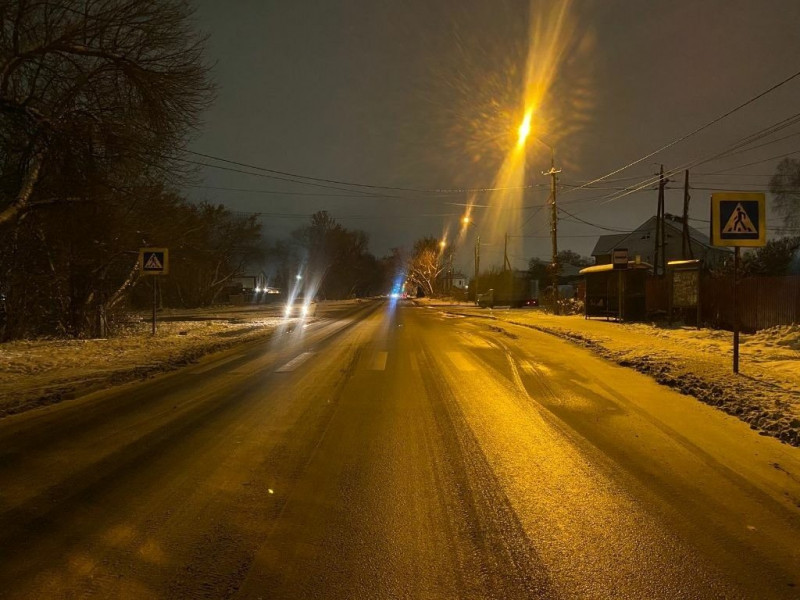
(396, 453)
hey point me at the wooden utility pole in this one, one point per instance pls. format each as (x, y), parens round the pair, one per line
(477, 266)
(553, 172)
(659, 258)
(686, 249)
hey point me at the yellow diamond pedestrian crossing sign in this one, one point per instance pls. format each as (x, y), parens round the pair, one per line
(738, 219)
(154, 261)
(739, 222)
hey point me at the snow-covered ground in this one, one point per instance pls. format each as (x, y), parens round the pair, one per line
(39, 372)
(765, 394)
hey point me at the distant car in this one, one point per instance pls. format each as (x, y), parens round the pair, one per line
(531, 302)
(299, 310)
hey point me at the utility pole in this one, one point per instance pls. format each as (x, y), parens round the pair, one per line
(659, 260)
(506, 262)
(686, 249)
(477, 265)
(450, 272)
(553, 172)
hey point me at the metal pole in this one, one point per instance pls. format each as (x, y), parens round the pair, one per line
(686, 247)
(736, 311)
(155, 302)
(477, 265)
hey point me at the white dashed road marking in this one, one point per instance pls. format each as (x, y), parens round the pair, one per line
(295, 362)
(215, 364)
(379, 362)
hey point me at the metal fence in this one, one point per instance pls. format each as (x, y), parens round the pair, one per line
(762, 301)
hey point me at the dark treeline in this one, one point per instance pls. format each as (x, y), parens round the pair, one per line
(96, 101)
(96, 104)
(70, 269)
(333, 262)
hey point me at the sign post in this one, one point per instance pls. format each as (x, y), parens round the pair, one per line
(154, 261)
(738, 219)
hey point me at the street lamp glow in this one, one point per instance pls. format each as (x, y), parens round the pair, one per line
(298, 276)
(525, 128)
(442, 244)
(465, 220)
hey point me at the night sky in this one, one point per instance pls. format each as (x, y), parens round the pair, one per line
(427, 95)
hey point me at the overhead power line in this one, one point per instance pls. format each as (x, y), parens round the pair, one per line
(695, 131)
(287, 174)
(734, 148)
(584, 221)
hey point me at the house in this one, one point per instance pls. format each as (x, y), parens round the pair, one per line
(249, 284)
(641, 242)
(459, 280)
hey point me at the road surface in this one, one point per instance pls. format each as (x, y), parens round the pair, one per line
(396, 453)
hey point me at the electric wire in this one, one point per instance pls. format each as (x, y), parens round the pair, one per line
(698, 129)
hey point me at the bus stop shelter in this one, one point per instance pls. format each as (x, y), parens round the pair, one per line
(616, 293)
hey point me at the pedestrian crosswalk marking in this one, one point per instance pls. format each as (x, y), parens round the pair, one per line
(460, 361)
(739, 222)
(379, 362)
(295, 362)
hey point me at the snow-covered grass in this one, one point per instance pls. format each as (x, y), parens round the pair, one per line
(39, 372)
(765, 394)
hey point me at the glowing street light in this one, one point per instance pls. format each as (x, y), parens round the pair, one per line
(525, 128)
(524, 132)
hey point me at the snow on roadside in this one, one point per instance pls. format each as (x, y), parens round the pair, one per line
(34, 373)
(765, 394)
(38, 372)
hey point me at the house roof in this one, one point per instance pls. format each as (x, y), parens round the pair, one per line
(606, 243)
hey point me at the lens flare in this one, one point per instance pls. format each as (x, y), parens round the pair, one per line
(525, 128)
(551, 35)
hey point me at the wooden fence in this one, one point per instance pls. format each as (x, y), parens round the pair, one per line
(763, 301)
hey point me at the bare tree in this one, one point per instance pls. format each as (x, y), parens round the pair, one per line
(93, 93)
(426, 264)
(785, 187)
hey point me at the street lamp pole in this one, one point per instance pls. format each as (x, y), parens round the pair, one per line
(553, 173)
(477, 265)
(524, 133)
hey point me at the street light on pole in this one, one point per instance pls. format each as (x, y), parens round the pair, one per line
(466, 221)
(524, 133)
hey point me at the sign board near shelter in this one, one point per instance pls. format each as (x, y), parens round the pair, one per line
(619, 258)
(154, 261)
(738, 219)
(685, 287)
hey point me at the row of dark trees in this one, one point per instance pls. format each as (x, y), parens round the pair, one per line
(333, 262)
(69, 269)
(96, 102)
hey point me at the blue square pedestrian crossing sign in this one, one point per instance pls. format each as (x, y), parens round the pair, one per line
(738, 219)
(154, 261)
